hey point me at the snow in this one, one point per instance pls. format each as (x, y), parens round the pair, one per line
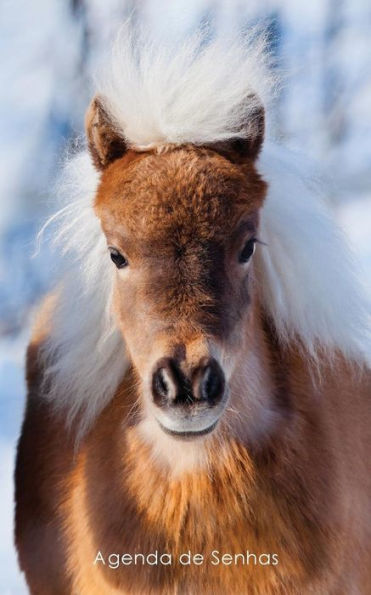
(12, 390)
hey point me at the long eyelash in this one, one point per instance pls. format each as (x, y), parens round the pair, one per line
(258, 241)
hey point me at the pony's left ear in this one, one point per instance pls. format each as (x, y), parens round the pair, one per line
(249, 144)
(104, 141)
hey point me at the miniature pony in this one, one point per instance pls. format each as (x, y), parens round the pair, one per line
(197, 382)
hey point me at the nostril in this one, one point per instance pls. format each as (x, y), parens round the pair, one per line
(171, 387)
(160, 384)
(212, 383)
(164, 387)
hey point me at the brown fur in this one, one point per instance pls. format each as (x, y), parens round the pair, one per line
(284, 473)
(304, 495)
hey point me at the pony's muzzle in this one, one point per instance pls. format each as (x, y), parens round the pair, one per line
(203, 386)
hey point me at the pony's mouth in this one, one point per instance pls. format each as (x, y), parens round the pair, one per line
(188, 434)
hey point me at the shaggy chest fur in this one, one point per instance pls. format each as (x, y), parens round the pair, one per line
(241, 504)
(298, 497)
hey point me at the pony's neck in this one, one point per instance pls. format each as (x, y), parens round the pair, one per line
(258, 390)
(166, 503)
(270, 488)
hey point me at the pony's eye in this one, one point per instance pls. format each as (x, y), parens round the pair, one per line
(118, 259)
(247, 251)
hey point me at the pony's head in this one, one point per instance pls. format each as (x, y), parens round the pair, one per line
(174, 135)
(181, 224)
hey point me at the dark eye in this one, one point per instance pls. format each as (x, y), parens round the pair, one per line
(247, 251)
(118, 259)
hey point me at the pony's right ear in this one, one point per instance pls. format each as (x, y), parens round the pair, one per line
(249, 144)
(105, 143)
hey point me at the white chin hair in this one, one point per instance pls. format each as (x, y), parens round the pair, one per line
(174, 455)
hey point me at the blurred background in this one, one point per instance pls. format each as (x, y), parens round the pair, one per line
(50, 50)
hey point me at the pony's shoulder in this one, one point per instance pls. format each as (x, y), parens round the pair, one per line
(41, 329)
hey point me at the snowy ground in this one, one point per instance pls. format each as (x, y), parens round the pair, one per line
(12, 391)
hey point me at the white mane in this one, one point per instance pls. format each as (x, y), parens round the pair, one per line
(84, 352)
(305, 273)
(197, 92)
(308, 277)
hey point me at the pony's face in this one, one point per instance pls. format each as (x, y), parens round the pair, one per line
(181, 227)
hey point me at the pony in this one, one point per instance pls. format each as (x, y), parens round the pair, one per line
(198, 416)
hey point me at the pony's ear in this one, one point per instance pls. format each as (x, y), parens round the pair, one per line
(249, 144)
(105, 143)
